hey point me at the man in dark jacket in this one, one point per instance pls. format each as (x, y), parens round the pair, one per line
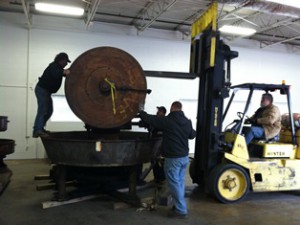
(48, 84)
(177, 129)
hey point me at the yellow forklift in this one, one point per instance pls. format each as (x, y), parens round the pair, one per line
(223, 164)
(263, 165)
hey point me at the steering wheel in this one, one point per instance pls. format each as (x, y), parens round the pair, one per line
(240, 115)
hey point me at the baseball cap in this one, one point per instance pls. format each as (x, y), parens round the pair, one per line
(61, 56)
(162, 108)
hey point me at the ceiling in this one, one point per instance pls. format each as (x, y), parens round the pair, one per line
(275, 24)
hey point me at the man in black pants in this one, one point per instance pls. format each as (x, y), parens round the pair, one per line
(158, 171)
(48, 84)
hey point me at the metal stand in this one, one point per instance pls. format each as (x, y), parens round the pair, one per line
(5, 175)
(127, 195)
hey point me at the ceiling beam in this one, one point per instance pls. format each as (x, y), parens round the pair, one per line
(276, 25)
(151, 12)
(26, 9)
(238, 8)
(282, 41)
(279, 23)
(92, 12)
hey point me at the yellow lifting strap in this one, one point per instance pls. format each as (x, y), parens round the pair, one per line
(113, 94)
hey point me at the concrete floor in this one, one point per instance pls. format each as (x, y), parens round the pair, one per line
(20, 204)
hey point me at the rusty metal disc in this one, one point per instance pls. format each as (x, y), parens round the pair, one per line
(105, 87)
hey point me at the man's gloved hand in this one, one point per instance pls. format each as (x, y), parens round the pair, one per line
(252, 121)
(248, 121)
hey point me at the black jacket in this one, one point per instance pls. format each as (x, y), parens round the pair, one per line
(52, 77)
(177, 129)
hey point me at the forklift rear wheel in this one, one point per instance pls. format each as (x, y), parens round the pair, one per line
(192, 169)
(229, 183)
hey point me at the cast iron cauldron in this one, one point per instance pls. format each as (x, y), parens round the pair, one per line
(3, 123)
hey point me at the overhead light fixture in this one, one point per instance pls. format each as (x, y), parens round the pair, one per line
(292, 3)
(235, 30)
(59, 9)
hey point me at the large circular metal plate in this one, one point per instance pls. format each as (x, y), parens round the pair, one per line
(105, 87)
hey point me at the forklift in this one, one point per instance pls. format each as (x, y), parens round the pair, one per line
(223, 165)
(263, 165)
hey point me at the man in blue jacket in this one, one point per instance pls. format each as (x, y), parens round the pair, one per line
(48, 84)
(177, 129)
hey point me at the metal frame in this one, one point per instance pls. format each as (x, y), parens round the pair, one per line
(150, 14)
(270, 33)
(26, 9)
(262, 87)
(275, 27)
(91, 12)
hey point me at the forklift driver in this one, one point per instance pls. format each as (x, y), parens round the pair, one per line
(266, 121)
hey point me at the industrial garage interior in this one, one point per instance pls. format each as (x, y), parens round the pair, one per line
(158, 34)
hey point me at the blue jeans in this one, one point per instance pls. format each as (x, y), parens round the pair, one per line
(45, 108)
(175, 169)
(254, 132)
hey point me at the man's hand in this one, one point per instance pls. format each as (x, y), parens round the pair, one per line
(251, 121)
(248, 121)
(66, 72)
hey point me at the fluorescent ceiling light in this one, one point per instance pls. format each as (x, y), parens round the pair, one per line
(292, 3)
(237, 30)
(59, 9)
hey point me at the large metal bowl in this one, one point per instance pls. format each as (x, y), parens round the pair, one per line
(7, 146)
(80, 148)
(3, 123)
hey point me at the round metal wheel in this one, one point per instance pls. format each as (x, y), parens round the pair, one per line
(229, 183)
(192, 170)
(105, 87)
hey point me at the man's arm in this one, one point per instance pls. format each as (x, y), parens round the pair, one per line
(193, 132)
(153, 120)
(270, 118)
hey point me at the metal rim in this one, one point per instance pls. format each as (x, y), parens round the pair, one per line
(232, 184)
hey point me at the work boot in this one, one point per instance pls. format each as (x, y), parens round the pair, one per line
(46, 131)
(176, 215)
(39, 133)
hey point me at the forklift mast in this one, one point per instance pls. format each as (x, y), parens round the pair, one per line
(213, 89)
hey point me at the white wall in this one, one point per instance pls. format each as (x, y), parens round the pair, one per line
(24, 54)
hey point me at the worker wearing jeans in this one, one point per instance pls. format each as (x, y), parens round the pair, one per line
(175, 169)
(45, 108)
(254, 132)
(48, 84)
(176, 131)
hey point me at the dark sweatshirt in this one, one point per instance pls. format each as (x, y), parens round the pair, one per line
(52, 77)
(177, 129)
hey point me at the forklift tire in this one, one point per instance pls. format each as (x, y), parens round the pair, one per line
(192, 170)
(229, 183)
